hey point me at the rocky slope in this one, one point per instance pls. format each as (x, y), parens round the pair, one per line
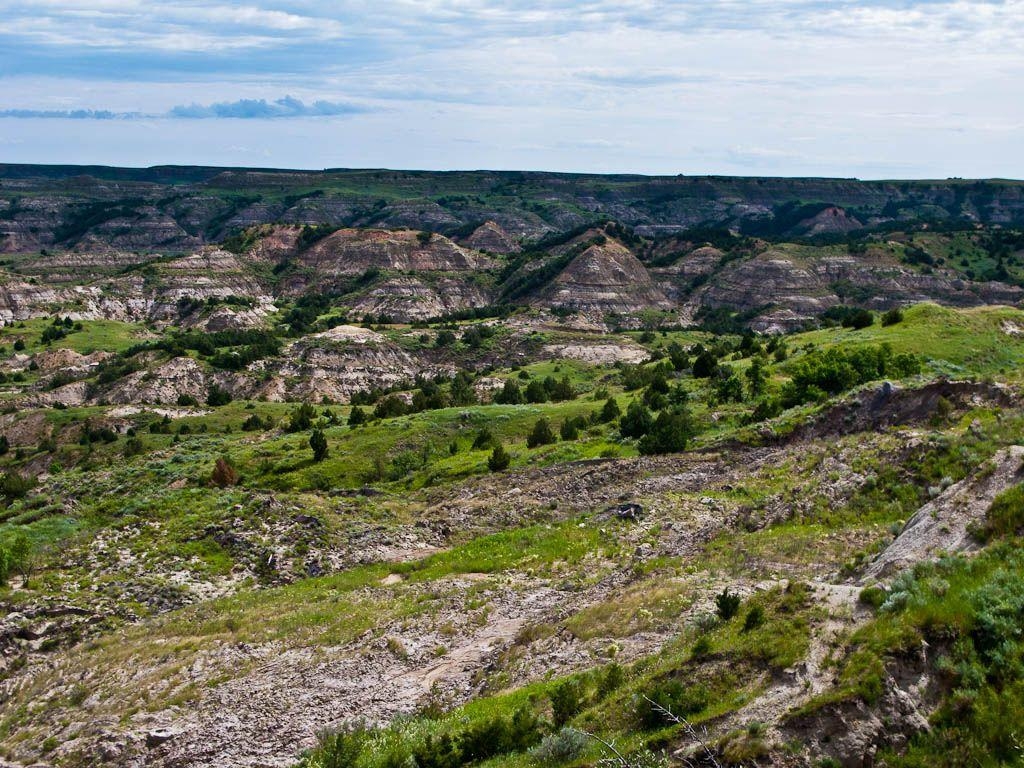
(604, 278)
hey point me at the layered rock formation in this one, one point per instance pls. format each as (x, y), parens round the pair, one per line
(605, 278)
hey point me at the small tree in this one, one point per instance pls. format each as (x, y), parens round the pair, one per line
(499, 459)
(23, 555)
(563, 390)
(356, 417)
(224, 474)
(892, 317)
(637, 421)
(541, 434)
(484, 439)
(301, 418)
(757, 377)
(610, 411)
(705, 365)
(217, 396)
(318, 442)
(535, 392)
(510, 394)
(566, 702)
(727, 604)
(570, 429)
(5, 445)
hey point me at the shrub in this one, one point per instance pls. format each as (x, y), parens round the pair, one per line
(499, 459)
(670, 432)
(836, 370)
(301, 418)
(614, 676)
(1005, 517)
(636, 422)
(5, 445)
(356, 417)
(484, 439)
(562, 390)
(673, 696)
(440, 752)
(610, 411)
(860, 318)
(224, 474)
(318, 443)
(541, 434)
(185, 399)
(755, 618)
(217, 396)
(873, 596)
(510, 394)
(133, 446)
(254, 423)
(535, 392)
(565, 746)
(570, 429)
(705, 365)
(566, 701)
(892, 317)
(13, 486)
(727, 604)
(389, 407)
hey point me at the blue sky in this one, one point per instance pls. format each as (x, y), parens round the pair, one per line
(878, 89)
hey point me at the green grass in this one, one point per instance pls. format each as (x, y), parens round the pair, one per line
(96, 335)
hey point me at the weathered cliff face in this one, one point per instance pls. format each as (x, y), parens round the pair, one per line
(605, 278)
(351, 252)
(800, 289)
(150, 294)
(490, 237)
(832, 220)
(407, 299)
(336, 363)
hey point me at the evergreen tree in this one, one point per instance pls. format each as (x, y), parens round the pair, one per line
(318, 442)
(499, 459)
(637, 421)
(541, 434)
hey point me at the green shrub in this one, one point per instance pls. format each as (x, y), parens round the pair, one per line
(217, 396)
(674, 697)
(301, 418)
(484, 439)
(570, 429)
(13, 486)
(318, 444)
(1006, 515)
(510, 394)
(754, 619)
(541, 434)
(727, 604)
(610, 411)
(669, 433)
(892, 317)
(499, 459)
(356, 417)
(873, 596)
(636, 422)
(566, 701)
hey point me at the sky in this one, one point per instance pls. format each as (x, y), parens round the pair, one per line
(876, 89)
